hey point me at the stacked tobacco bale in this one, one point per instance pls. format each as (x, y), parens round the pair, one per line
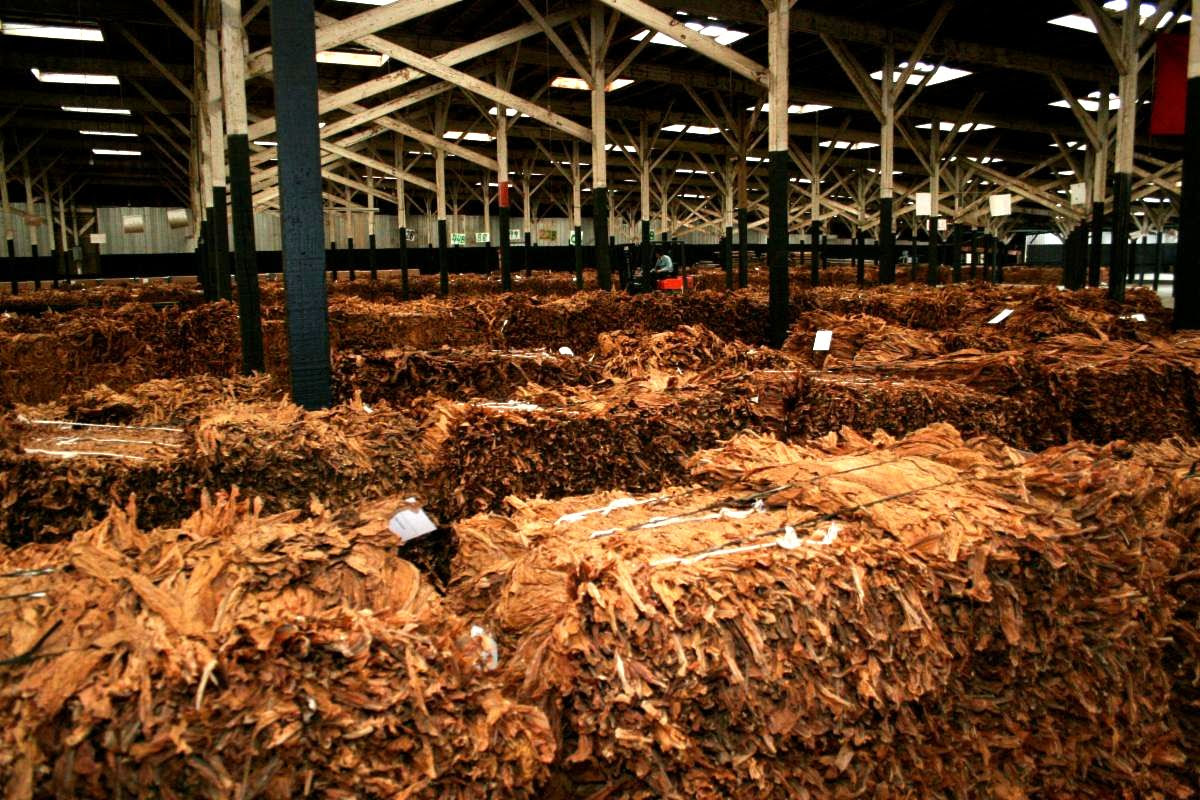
(858, 338)
(574, 440)
(118, 347)
(243, 655)
(692, 348)
(851, 618)
(399, 376)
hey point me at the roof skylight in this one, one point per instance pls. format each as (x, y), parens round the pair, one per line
(95, 110)
(719, 34)
(937, 75)
(1091, 102)
(351, 59)
(966, 127)
(75, 77)
(698, 130)
(74, 33)
(565, 82)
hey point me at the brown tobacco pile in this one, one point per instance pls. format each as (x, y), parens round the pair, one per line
(691, 348)
(243, 655)
(924, 617)
(399, 376)
(632, 435)
(859, 338)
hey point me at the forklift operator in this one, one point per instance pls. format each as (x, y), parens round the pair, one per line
(663, 267)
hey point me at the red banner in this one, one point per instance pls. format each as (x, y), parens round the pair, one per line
(504, 194)
(1169, 115)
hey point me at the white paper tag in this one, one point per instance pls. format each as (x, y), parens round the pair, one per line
(1134, 317)
(411, 523)
(1003, 315)
(823, 340)
(566, 351)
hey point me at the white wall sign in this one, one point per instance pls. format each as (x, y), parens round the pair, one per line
(98, 238)
(483, 238)
(1078, 194)
(924, 204)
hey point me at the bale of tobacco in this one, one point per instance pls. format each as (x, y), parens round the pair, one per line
(573, 440)
(688, 348)
(242, 655)
(400, 376)
(858, 338)
(853, 617)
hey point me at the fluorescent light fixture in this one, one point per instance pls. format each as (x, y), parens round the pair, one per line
(936, 75)
(75, 77)
(564, 82)
(807, 108)
(848, 145)
(756, 159)
(266, 143)
(107, 133)
(1155, 200)
(419, 153)
(1066, 172)
(385, 178)
(966, 127)
(71, 32)
(699, 130)
(469, 136)
(104, 151)
(1091, 102)
(351, 59)
(874, 171)
(722, 36)
(695, 196)
(686, 171)
(93, 110)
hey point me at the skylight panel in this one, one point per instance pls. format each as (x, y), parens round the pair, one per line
(72, 33)
(1091, 103)
(81, 78)
(108, 133)
(105, 151)
(95, 110)
(718, 33)
(966, 127)
(698, 130)
(351, 59)
(807, 108)
(566, 82)
(942, 74)
(469, 136)
(848, 145)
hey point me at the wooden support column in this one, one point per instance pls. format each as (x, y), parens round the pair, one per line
(526, 206)
(293, 44)
(349, 212)
(1099, 190)
(743, 220)
(600, 200)
(52, 251)
(6, 222)
(371, 262)
(502, 195)
(815, 211)
(1187, 266)
(402, 216)
(778, 186)
(577, 213)
(647, 259)
(219, 227)
(443, 237)
(63, 248)
(887, 156)
(245, 257)
(935, 190)
(1127, 90)
(727, 213)
(33, 233)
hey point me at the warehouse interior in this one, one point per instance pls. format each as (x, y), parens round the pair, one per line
(599, 399)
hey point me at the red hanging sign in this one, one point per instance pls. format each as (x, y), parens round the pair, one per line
(1169, 115)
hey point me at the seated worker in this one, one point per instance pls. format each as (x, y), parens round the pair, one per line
(663, 266)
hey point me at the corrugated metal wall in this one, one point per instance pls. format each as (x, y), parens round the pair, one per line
(23, 234)
(160, 237)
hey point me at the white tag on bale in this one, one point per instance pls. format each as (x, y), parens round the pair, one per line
(1134, 317)
(411, 523)
(1003, 315)
(823, 341)
(565, 351)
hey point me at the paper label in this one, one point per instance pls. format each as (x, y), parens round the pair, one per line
(823, 341)
(1134, 317)
(411, 523)
(1003, 315)
(566, 351)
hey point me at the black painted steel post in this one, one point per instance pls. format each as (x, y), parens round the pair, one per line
(815, 269)
(333, 260)
(1187, 253)
(974, 240)
(220, 231)
(204, 255)
(350, 256)
(443, 259)
(647, 248)
(956, 253)
(245, 257)
(1158, 257)
(404, 263)
(860, 259)
(600, 232)
(887, 253)
(14, 283)
(1096, 253)
(1119, 262)
(743, 270)
(525, 252)
(505, 236)
(933, 275)
(727, 257)
(577, 248)
(293, 44)
(37, 264)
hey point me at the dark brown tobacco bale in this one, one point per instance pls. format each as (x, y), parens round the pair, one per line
(242, 654)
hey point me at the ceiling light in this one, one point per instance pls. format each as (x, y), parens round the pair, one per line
(75, 77)
(469, 136)
(266, 143)
(104, 151)
(1091, 102)
(966, 127)
(93, 110)
(699, 130)
(351, 59)
(71, 32)
(107, 133)
(1066, 172)
(564, 82)
(628, 148)
(936, 75)
(807, 108)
